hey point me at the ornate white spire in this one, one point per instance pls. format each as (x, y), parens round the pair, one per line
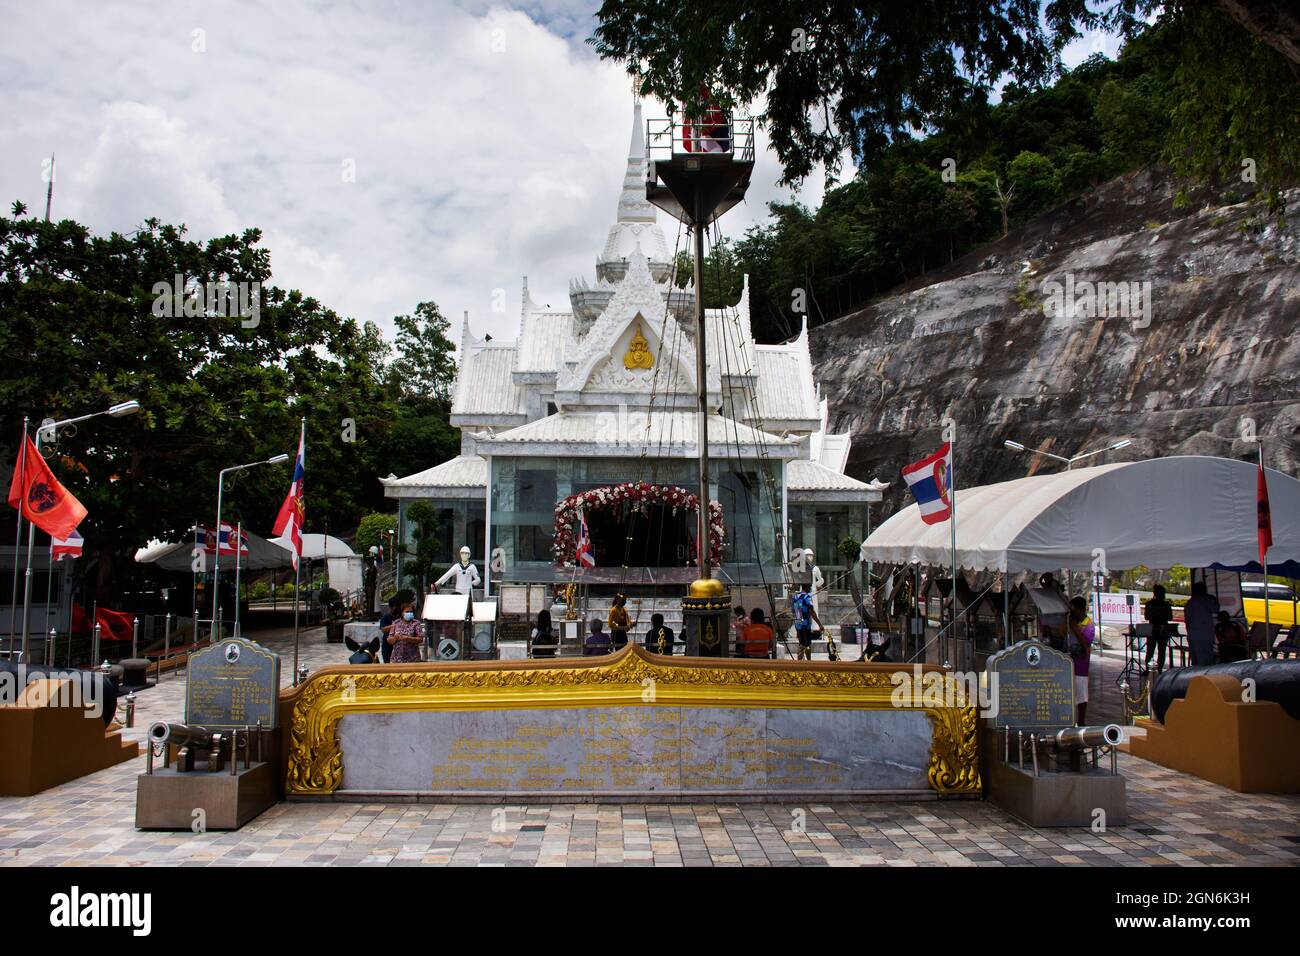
(632, 204)
(636, 228)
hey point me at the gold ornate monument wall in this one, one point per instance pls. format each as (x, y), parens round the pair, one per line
(629, 725)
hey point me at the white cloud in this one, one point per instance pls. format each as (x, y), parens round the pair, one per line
(487, 143)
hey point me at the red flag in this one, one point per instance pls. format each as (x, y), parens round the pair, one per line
(43, 501)
(114, 625)
(1265, 516)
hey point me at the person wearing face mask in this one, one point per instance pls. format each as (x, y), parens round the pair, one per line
(406, 636)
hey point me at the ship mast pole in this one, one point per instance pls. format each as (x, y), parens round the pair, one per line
(702, 396)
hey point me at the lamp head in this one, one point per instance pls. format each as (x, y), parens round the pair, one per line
(1014, 445)
(122, 409)
(1122, 443)
(277, 459)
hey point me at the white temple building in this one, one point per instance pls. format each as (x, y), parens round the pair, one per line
(604, 393)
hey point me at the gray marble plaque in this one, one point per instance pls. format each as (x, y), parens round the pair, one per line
(233, 683)
(1035, 687)
(669, 750)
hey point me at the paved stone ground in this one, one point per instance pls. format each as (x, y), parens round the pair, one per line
(1175, 820)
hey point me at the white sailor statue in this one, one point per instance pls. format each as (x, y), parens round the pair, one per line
(818, 579)
(465, 573)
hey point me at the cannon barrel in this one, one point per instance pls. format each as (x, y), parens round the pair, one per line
(180, 735)
(1076, 738)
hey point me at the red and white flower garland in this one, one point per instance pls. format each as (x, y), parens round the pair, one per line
(635, 493)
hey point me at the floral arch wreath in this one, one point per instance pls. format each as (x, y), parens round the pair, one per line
(635, 493)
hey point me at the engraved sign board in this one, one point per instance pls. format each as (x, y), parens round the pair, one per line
(1035, 687)
(233, 683)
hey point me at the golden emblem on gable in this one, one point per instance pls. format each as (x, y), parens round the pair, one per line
(638, 352)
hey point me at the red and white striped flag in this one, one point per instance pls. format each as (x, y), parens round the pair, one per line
(586, 557)
(293, 512)
(69, 547)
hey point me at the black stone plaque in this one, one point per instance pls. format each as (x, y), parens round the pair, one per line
(233, 683)
(1035, 687)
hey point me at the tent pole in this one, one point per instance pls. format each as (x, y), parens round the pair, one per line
(1263, 558)
(952, 521)
(1006, 611)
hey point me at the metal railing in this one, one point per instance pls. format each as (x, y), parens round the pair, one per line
(713, 134)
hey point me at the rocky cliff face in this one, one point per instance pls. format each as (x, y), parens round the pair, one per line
(993, 341)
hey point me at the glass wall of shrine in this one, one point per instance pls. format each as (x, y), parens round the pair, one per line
(525, 492)
(824, 526)
(456, 522)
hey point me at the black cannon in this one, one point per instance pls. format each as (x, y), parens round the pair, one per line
(362, 653)
(1278, 681)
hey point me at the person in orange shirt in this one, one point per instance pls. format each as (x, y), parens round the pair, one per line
(758, 640)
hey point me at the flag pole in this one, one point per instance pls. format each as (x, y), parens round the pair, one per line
(297, 562)
(18, 534)
(49, 592)
(31, 544)
(239, 540)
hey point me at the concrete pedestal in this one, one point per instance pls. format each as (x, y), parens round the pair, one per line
(168, 800)
(1057, 799)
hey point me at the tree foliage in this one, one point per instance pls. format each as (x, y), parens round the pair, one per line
(925, 201)
(84, 328)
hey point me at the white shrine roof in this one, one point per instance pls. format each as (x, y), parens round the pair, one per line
(485, 385)
(465, 473)
(629, 434)
(542, 342)
(808, 480)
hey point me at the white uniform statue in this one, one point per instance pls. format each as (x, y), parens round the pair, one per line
(466, 574)
(818, 582)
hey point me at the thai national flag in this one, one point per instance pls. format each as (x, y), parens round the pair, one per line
(930, 481)
(69, 547)
(293, 512)
(225, 543)
(586, 557)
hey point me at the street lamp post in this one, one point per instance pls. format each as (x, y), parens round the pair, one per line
(216, 560)
(51, 429)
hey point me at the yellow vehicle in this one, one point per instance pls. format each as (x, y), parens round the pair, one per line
(1282, 602)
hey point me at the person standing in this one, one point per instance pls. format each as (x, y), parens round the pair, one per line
(1199, 614)
(465, 573)
(1159, 613)
(659, 639)
(406, 635)
(543, 636)
(805, 615)
(386, 622)
(618, 622)
(1080, 634)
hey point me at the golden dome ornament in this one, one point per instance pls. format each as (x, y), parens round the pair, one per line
(638, 352)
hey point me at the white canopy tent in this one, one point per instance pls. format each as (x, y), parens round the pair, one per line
(1191, 510)
(179, 556)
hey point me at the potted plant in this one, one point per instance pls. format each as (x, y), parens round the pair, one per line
(330, 602)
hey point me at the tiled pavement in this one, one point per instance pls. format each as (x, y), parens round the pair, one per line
(1174, 820)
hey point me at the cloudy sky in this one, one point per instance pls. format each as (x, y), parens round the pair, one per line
(390, 152)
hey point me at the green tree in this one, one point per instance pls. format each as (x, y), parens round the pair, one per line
(1036, 182)
(422, 520)
(861, 77)
(372, 527)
